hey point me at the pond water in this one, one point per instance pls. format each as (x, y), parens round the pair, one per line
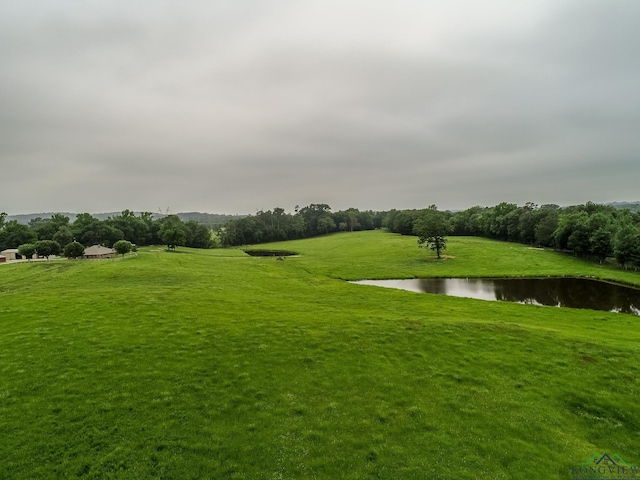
(557, 292)
(269, 253)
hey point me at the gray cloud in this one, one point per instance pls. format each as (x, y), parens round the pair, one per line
(237, 106)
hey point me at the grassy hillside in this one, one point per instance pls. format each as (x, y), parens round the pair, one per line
(214, 364)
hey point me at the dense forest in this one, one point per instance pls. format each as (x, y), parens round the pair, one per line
(592, 231)
(309, 221)
(86, 229)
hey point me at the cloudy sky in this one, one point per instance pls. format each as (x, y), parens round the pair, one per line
(227, 106)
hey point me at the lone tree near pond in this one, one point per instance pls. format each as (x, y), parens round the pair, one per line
(432, 228)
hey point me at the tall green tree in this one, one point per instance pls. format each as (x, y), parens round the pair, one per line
(134, 229)
(14, 234)
(63, 235)
(432, 228)
(326, 224)
(579, 239)
(545, 226)
(173, 232)
(89, 230)
(86, 229)
(46, 248)
(46, 228)
(27, 250)
(152, 227)
(403, 222)
(528, 219)
(198, 236)
(568, 223)
(73, 250)
(122, 247)
(500, 218)
(311, 215)
(601, 235)
(352, 219)
(468, 222)
(627, 245)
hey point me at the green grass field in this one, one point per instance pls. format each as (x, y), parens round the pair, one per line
(213, 364)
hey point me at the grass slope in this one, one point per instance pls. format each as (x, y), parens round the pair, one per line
(214, 364)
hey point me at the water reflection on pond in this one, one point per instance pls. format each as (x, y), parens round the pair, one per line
(558, 292)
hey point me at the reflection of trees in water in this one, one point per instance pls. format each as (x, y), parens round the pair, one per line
(434, 285)
(526, 291)
(563, 292)
(627, 301)
(459, 287)
(569, 292)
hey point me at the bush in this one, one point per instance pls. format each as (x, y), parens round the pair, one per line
(122, 247)
(73, 250)
(27, 250)
(48, 247)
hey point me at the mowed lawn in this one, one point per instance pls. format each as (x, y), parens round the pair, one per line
(213, 364)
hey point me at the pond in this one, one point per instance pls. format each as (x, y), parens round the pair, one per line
(557, 292)
(269, 253)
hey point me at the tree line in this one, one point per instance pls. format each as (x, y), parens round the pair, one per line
(86, 230)
(590, 230)
(312, 220)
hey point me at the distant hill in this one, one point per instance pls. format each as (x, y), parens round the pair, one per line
(27, 217)
(633, 206)
(210, 220)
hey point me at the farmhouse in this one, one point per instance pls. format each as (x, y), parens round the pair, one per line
(98, 251)
(10, 254)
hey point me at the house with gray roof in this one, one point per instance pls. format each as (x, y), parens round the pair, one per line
(98, 251)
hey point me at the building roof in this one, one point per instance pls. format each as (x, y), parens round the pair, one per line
(10, 250)
(97, 250)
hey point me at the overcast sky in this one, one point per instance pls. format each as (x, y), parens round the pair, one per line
(236, 106)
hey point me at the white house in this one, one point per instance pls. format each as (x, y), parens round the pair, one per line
(10, 253)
